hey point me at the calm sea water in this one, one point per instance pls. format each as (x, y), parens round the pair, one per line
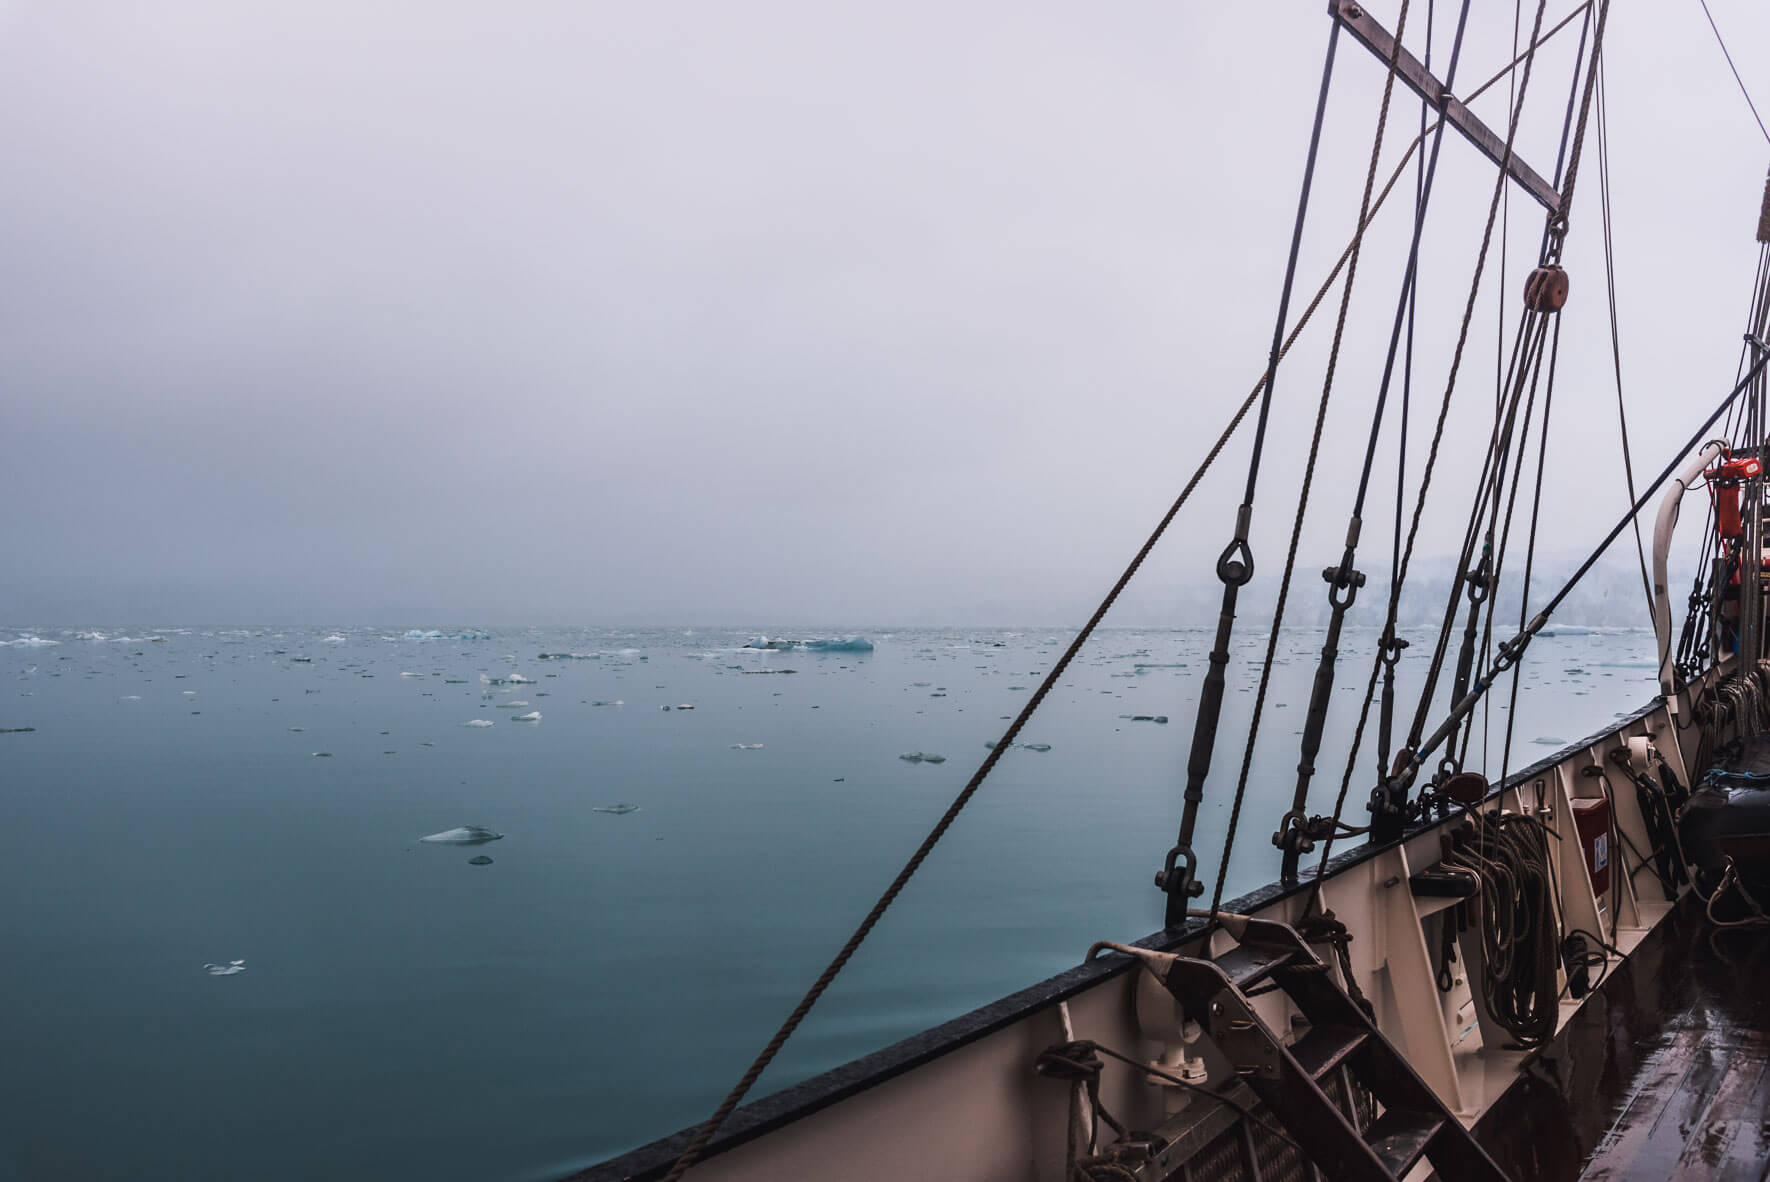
(195, 797)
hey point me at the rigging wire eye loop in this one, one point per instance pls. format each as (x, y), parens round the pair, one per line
(1390, 652)
(1235, 566)
(1343, 584)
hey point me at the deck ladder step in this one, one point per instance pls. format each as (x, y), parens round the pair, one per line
(1320, 1051)
(1399, 1137)
(1249, 964)
(1342, 1049)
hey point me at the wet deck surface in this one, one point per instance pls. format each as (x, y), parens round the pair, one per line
(1664, 1074)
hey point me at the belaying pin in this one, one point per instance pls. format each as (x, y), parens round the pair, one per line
(1545, 290)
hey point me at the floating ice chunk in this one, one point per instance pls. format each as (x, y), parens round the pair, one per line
(511, 705)
(1036, 746)
(334, 639)
(29, 642)
(465, 835)
(482, 860)
(16, 730)
(922, 757)
(478, 722)
(1157, 718)
(531, 716)
(848, 644)
(225, 970)
(1549, 741)
(322, 755)
(422, 634)
(405, 674)
(843, 644)
(746, 746)
(616, 702)
(130, 698)
(89, 636)
(684, 706)
(570, 657)
(620, 810)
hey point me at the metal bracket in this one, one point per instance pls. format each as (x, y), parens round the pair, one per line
(1236, 1029)
(1378, 40)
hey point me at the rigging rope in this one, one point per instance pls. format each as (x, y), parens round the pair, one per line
(1468, 316)
(1290, 564)
(1235, 567)
(1536, 505)
(1622, 416)
(1512, 650)
(1722, 42)
(1387, 657)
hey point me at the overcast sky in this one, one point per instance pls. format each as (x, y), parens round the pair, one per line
(773, 312)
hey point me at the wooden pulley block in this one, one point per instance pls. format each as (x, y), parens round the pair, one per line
(1546, 289)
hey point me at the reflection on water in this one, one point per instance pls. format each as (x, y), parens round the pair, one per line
(667, 881)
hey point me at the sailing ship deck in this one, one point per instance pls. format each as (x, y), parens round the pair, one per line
(1665, 1073)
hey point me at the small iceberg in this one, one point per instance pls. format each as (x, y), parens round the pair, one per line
(334, 639)
(922, 757)
(842, 644)
(531, 716)
(422, 634)
(482, 860)
(619, 810)
(746, 746)
(478, 722)
(465, 835)
(225, 970)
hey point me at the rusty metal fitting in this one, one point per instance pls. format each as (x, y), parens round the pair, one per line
(1546, 289)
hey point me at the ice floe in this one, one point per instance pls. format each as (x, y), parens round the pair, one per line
(225, 970)
(620, 810)
(464, 835)
(840, 644)
(922, 757)
(531, 716)
(478, 722)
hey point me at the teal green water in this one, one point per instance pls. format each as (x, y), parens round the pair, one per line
(601, 982)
